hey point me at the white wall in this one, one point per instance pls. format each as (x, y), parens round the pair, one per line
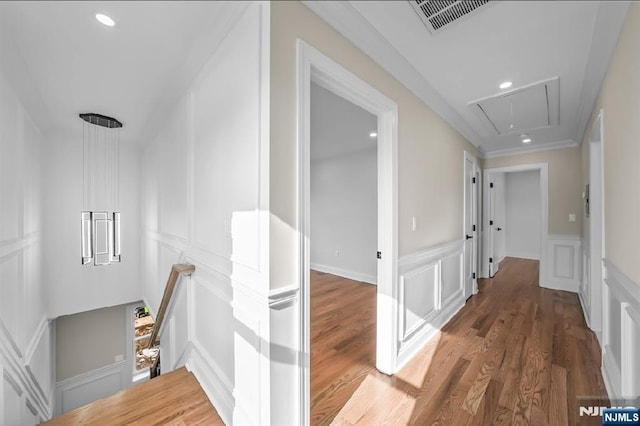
(90, 340)
(205, 202)
(26, 378)
(344, 215)
(523, 223)
(71, 286)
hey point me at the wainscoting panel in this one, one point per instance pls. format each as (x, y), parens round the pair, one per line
(452, 277)
(212, 150)
(419, 297)
(620, 333)
(430, 293)
(584, 291)
(284, 352)
(564, 263)
(30, 394)
(198, 332)
(88, 387)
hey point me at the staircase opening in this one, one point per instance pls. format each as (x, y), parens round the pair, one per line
(143, 356)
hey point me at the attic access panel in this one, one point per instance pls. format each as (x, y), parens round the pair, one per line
(531, 107)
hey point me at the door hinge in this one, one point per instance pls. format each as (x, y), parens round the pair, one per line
(379, 255)
(473, 180)
(491, 260)
(491, 185)
(490, 223)
(474, 276)
(474, 228)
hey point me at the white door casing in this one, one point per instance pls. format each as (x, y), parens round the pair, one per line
(544, 213)
(494, 265)
(314, 66)
(593, 294)
(469, 232)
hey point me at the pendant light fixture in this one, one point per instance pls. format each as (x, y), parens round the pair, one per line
(100, 217)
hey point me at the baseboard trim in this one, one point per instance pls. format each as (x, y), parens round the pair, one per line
(528, 256)
(216, 388)
(428, 331)
(356, 276)
(560, 285)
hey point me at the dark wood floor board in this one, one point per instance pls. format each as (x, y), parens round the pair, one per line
(515, 354)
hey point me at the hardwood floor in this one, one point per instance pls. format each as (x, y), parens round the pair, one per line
(343, 342)
(515, 354)
(174, 398)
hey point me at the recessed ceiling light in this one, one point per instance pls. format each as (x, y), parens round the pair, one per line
(104, 19)
(525, 138)
(373, 135)
(505, 84)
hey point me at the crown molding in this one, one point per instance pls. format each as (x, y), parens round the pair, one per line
(607, 28)
(345, 19)
(529, 149)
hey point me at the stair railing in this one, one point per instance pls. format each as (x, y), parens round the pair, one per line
(176, 271)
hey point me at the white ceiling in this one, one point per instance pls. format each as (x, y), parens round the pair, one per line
(133, 71)
(338, 127)
(522, 41)
(67, 63)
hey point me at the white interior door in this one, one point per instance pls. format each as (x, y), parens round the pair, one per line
(470, 243)
(494, 202)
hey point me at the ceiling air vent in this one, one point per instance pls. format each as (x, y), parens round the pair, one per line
(438, 14)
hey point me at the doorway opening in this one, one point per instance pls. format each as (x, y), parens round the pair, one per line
(343, 242)
(315, 67)
(515, 216)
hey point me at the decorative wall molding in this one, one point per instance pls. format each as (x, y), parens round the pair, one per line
(39, 360)
(283, 297)
(620, 333)
(565, 263)
(30, 375)
(431, 291)
(217, 388)
(584, 290)
(356, 276)
(85, 388)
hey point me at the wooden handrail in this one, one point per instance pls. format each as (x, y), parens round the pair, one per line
(176, 271)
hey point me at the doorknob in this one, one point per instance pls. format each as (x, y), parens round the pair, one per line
(499, 229)
(468, 237)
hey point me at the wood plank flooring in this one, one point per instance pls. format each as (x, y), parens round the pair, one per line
(175, 398)
(515, 354)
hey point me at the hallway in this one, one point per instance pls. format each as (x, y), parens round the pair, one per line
(515, 354)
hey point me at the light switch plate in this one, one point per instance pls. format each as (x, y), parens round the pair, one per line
(572, 217)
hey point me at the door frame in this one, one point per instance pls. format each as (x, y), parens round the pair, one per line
(312, 65)
(596, 222)
(544, 213)
(475, 216)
